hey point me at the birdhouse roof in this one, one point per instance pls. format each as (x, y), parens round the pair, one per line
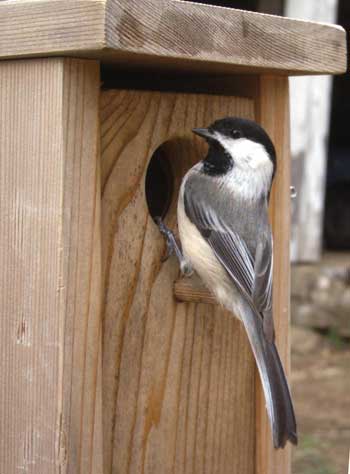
(170, 35)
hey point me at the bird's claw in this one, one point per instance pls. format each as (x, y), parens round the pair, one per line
(169, 238)
(172, 247)
(169, 251)
(163, 229)
(186, 268)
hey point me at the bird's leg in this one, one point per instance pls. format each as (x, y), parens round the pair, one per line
(173, 247)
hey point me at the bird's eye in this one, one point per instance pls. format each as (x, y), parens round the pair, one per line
(236, 133)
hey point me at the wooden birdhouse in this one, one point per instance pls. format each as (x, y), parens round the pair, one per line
(110, 363)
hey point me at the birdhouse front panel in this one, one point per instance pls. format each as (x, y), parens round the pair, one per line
(179, 378)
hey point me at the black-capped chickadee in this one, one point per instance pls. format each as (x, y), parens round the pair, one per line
(226, 238)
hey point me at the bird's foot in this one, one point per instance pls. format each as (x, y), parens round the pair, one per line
(172, 247)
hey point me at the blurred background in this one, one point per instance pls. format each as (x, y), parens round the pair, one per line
(320, 249)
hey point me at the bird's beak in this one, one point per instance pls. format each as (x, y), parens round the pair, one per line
(203, 132)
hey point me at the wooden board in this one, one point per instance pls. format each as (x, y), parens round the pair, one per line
(49, 266)
(178, 378)
(170, 34)
(272, 110)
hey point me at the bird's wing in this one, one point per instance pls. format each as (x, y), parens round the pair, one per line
(262, 286)
(252, 274)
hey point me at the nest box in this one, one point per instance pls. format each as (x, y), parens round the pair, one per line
(110, 363)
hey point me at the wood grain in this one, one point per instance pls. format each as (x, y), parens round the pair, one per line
(170, 34)
(50, 266)
(51, 27)
(192, 290)
(178, 378)
(273, 114)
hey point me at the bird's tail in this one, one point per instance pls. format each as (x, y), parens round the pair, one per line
(277, 395)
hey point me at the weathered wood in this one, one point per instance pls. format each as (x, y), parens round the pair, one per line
(50, 266)
(178, 378)
(171, 34)
(273, 115)
(310, 116)
(192, 290)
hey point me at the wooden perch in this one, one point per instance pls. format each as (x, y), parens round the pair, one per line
(192, 290)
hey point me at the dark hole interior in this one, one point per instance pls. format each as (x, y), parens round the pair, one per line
(159, 184)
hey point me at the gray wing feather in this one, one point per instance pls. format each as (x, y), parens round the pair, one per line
(253, 278)
(234, 255)
(252, 275)
(262, 287)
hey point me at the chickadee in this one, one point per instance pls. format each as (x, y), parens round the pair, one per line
(226, 238)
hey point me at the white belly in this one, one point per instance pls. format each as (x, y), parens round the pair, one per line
(204, 262)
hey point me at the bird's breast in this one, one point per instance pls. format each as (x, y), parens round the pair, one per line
(203, 260)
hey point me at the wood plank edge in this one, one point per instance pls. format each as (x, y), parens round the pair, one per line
(107, 47)
(333, 37)
(192, 291)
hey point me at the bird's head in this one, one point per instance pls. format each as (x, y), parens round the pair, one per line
(237, 142)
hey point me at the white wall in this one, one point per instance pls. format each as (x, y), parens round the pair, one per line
(310, 111)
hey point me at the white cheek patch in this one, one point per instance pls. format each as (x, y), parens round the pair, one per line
(253, 168)
(246, 153)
